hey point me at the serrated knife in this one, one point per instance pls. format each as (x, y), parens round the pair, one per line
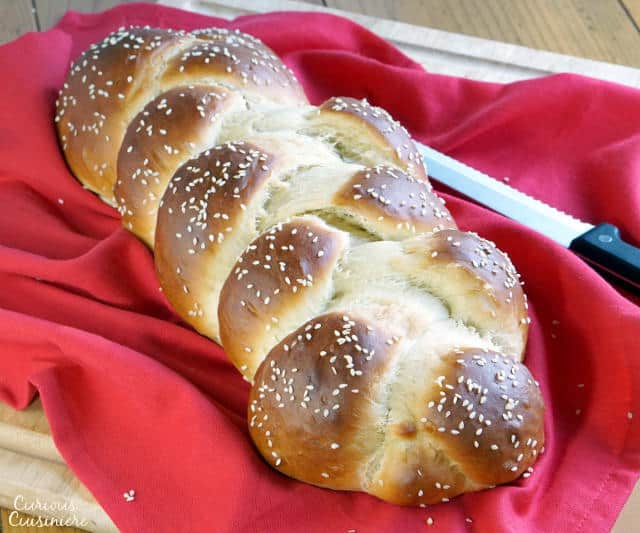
(600, 245)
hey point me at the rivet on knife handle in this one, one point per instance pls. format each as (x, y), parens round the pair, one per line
(617, 260)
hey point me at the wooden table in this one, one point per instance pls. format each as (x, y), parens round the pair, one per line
(606, 30)
(603, 30)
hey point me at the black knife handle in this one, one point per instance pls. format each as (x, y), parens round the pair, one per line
(604, 250)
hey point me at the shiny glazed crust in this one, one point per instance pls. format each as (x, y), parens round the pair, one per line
(383, 344)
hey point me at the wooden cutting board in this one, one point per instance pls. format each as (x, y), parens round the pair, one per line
(30, 464)
(31, 468)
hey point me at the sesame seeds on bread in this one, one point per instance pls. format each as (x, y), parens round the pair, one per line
(384, 345)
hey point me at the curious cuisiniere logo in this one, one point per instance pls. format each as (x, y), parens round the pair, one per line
(35, 507)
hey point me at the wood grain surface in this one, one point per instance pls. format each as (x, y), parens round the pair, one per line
(604, 30)
(632, 8)
(33, 469)
(16, 18)
(597, 29)
(50, 11)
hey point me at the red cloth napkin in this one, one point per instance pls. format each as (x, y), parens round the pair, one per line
(136, 400)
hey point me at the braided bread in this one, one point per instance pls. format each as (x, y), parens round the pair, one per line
(383, 344)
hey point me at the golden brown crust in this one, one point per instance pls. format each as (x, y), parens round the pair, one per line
(387, 135)
(413, 471)
(470, 265)
(274, 282)
(480, 256)
(203, 207)
(396, 201)
(237, 60)
(486, 411)
(170, 129)
(324, 409)
(310, 400)
(384, 342)
(103, 88)
(476, 422)
(114, 79)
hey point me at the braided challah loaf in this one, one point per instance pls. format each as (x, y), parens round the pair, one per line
(383, 344)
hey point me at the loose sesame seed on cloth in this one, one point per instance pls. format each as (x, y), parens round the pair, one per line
(136, 399)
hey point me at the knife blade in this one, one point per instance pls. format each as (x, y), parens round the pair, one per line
(599, 245)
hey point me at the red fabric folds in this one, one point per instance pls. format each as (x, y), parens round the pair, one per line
(136, 400)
